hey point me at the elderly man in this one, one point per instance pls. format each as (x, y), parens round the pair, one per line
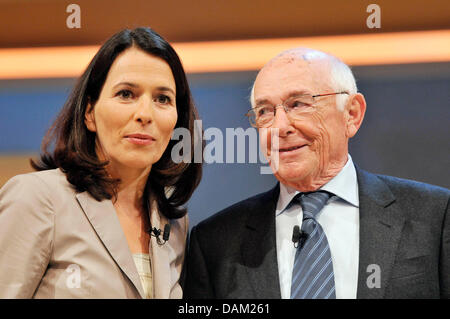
(328, 229)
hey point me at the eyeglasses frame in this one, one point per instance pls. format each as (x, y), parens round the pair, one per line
(284, 106)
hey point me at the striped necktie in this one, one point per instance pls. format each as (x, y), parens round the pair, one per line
(312, 275)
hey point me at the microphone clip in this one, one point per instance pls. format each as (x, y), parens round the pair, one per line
(298, 237)
(155, 232)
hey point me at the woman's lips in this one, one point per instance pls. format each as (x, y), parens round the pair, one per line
(140, 139)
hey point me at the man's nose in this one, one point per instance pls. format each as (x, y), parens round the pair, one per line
(282, 122)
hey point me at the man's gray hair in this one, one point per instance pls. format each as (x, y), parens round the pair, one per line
(341, 76)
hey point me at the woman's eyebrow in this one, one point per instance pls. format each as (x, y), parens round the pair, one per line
(125, 83)
(165, 88)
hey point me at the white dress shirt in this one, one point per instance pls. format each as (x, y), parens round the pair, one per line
(340, 221)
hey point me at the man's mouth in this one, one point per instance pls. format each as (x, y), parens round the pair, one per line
(288, 149)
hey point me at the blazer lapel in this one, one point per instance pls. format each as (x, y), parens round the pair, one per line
(103, 218)
(258, 247)
(160, 258)
(381, 224)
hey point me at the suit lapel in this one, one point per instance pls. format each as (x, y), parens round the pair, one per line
(259, 246)
(103, 218)
(160, 257)
(381, 223)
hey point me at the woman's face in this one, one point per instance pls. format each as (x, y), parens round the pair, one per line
(135, 113)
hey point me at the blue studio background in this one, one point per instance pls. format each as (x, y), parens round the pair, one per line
(405, 132)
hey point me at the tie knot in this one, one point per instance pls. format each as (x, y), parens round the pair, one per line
(312, 203)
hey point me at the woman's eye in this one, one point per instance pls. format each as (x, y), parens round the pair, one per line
(163, 99)
(125, 94)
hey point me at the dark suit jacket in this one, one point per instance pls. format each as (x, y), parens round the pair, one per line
(404, 229)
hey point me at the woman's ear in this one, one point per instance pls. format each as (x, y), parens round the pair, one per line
(355, 110)
(89, 118)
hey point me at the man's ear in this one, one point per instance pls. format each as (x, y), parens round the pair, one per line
(89, 118)
(354, 113)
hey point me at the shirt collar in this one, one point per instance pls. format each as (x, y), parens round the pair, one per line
(344, 185)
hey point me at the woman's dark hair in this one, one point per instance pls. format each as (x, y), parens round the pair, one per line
(74, 145)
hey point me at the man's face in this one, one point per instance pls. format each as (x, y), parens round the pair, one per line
(311, 149)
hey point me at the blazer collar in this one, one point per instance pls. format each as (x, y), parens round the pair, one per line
(381, 223)
(103, 218)
(258, 247)
(160, 257)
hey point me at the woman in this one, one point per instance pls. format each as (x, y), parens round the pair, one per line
(81, 226)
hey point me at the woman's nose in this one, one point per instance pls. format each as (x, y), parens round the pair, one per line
(144, 111)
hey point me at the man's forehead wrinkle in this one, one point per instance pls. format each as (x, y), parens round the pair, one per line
(313, 64)
(307, 55)
(319, 67)
(309, 58)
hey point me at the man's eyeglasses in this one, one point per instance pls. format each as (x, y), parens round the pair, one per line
(295, 106)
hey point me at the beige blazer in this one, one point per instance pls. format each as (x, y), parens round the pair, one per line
(57, 243)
